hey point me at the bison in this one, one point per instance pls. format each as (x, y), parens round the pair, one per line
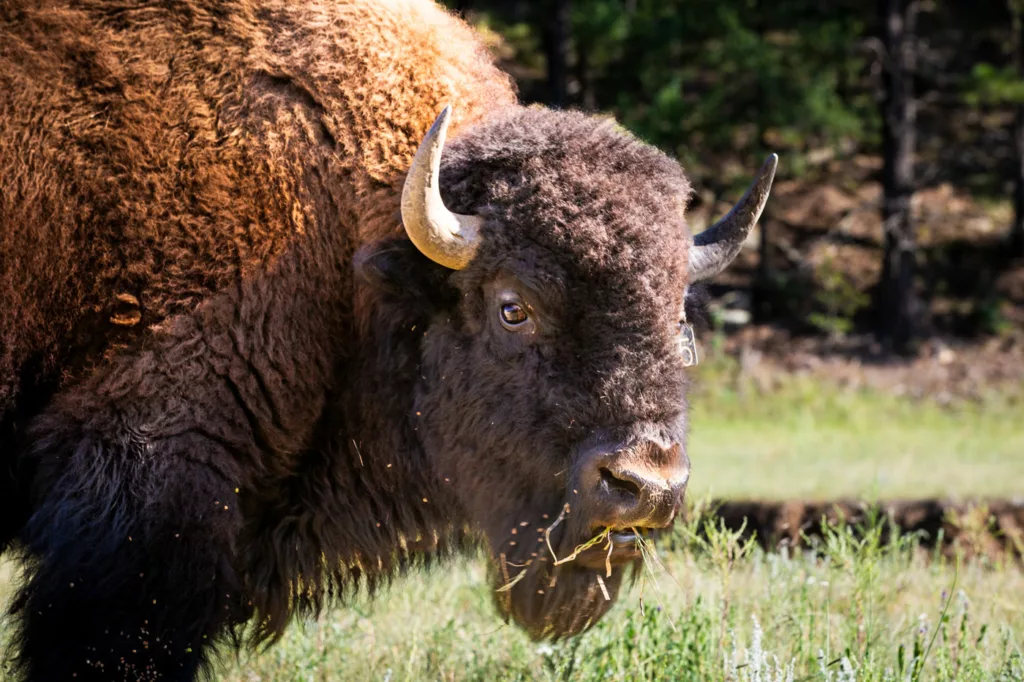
(268, 337)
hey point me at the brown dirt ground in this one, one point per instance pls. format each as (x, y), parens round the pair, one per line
(944, 369)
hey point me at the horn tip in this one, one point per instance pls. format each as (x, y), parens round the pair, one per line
(772, 161)
(440, 123)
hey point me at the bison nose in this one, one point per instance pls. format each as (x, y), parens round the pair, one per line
(639, 487)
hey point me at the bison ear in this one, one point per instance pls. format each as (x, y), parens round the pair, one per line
(396, 267)
(695, 306)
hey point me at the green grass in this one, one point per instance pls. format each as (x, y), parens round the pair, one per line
(722, 611)
(859, 447)
(809, 439)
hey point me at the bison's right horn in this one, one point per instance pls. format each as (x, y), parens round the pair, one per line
(716, 247)
(447, 238)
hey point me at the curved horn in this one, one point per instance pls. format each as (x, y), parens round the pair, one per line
(447, 238)
(716, 247)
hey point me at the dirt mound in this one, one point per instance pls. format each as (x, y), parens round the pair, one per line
(992, 529)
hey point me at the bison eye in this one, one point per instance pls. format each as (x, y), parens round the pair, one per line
(512, 314)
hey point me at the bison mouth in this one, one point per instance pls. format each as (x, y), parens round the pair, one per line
(560, 588)
(614, 548)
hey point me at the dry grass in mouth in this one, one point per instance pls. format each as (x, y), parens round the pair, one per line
(597, 539)
(644, 546)
(603, 535)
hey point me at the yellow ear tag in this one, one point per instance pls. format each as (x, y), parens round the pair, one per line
(687, 344)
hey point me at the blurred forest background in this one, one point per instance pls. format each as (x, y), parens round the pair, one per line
(896, 226)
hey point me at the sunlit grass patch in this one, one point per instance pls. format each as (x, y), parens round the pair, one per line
(807, 439)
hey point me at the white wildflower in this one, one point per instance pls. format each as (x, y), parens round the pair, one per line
(757, 665)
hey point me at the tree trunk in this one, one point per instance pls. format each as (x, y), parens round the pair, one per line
(558, 36)
(896, 299)
(1017, 229)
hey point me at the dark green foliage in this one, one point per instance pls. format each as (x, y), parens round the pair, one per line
(690, 66)
(836, 300)
(702, 78)
(990, 84)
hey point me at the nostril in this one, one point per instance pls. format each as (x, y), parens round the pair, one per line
(621, 486)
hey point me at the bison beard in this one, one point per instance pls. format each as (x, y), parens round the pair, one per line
(554, 601)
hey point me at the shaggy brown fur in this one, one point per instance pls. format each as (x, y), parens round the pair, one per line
(158, 151)
(155, 154)
(224, 425)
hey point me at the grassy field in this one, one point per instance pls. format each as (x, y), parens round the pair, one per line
(811, 440)
(723, 611)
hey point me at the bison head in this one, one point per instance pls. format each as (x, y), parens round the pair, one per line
(551, 397)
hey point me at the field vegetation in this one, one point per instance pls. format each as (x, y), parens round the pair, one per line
(810, 438)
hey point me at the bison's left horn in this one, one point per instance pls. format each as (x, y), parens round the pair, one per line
(447, 238)
(716, 247)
